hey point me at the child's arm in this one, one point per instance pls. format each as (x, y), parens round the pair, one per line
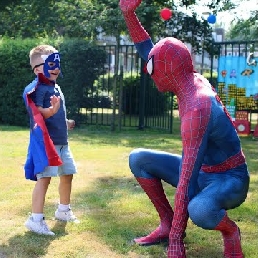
(48, 112)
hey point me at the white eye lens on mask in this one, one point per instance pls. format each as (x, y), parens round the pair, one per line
(150, 65)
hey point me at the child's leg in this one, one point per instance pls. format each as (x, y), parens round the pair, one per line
(65, 173)
(36, 222)
(39, 193)
(64, 211)
(65, 187)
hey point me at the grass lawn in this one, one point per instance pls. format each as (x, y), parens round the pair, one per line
(111, 206)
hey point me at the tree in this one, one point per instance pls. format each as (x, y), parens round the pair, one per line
(5, 3)
(187, 27)
(47, 18)
(84, 18)
(245, 29)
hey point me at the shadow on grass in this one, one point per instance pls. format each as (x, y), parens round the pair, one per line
(110, 217)
(116, 213)
(130, 137)
(148, 138)
(30, 244)
(106, 201)
(118, 227)
(102, 136)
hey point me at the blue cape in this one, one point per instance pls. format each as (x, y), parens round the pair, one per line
(41, 150)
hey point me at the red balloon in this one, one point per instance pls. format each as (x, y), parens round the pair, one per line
(165, 14)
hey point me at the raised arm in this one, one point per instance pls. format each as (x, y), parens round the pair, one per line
(138, 34)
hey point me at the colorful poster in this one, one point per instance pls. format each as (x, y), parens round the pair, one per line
(238, 81)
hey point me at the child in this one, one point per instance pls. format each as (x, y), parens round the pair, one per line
(49, 126)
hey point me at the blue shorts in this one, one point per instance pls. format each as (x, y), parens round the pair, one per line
(67, 168)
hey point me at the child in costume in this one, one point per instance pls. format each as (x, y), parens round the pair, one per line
(49, 154)
(211, 175)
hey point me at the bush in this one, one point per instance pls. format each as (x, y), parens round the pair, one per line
(81, 64)
(213, 80)
(155, 101)
(15, 73)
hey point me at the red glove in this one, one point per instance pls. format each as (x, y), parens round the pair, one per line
(136, 31)
(129, 6)
(176, 248)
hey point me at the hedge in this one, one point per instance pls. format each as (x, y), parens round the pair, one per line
(81, 63)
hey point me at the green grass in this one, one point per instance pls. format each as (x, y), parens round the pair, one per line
(111, 206)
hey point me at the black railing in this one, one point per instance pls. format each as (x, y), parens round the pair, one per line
(137, 101)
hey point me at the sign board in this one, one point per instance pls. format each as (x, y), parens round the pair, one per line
(238, 80)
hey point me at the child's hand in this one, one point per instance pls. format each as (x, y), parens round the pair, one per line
(55, 103)
(70, 124)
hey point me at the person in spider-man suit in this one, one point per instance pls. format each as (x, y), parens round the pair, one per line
(211, 175)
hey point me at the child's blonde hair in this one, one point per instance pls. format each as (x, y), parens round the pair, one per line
(36, 52)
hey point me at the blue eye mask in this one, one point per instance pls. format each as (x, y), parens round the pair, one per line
(52, 62)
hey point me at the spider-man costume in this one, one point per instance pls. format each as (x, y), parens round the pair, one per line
(211, 176)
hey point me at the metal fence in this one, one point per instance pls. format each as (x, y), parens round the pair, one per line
(125, 96)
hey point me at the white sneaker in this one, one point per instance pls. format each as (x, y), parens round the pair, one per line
(66, 216)
(39, 227)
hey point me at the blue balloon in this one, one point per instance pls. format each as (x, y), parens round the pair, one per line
(211, 19)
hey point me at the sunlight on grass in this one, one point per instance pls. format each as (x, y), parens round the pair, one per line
(111, 206)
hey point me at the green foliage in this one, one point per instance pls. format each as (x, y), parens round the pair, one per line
(111, 206)
(131, 87)
(15, 75)
(155, 104)
(5, 3)
(82, 63)
(207, 75)
(108, 18)
(191, 30)
(244, 29)
(86, 19)
(47, 18)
